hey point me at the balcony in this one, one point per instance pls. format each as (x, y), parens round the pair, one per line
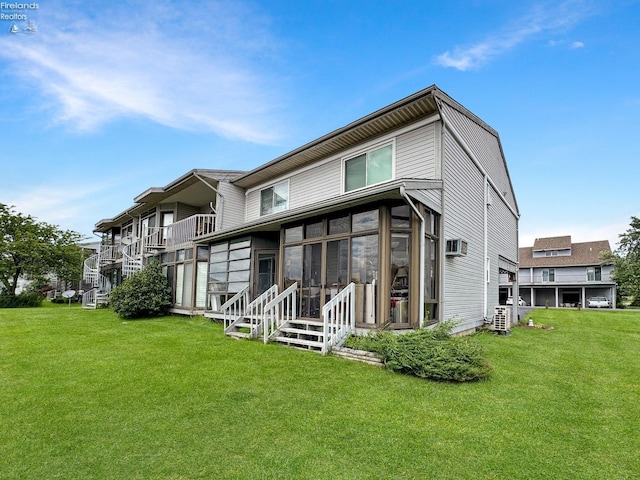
(561, 279)
(180, 234)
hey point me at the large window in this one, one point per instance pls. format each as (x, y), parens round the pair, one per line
(368, 168)
(324, 255)
(275, 198)
(229, 270)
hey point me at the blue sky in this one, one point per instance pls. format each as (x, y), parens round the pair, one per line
(107, 99)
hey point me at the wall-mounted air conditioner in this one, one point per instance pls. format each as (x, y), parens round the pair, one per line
(456, 247)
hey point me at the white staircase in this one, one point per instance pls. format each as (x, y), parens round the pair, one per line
(136, 249)
(273, 315)
(131, 259)
(100, 285)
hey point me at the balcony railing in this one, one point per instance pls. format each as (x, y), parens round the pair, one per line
(182, 233)
(560, 279)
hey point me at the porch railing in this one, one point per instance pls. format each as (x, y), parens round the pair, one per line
(280, 310)
(339, 318)
(255, 310)
(182, 232)
(233, 309)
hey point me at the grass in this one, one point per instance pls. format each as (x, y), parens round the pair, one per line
(86, 395)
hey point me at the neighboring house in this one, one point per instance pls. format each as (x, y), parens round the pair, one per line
(401, 219)
(559, 273)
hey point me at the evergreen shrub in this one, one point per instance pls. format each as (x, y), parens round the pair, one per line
(144, 294)
(430, 353)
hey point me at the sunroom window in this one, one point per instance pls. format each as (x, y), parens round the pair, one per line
(274, 199)
(368, 168)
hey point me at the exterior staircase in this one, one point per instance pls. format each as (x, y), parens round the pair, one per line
(100, 285)
(302, 334)
(273, 315)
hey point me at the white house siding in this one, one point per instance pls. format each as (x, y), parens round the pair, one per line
(318, 183)
(232, 205)
(416, 153)
(184, 210)
(486, 147)
(502, 241)
(463, 218)
(415, 158)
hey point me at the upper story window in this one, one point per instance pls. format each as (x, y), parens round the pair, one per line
(594, 274)
(368, 168)
(549, 275)
(274, 198)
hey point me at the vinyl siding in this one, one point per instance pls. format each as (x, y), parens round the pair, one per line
(414, 158)
(318, 183)
(502, 242)
(463, 218)
(416, 153)
(486, 147)
(232, 206)
(185, 211)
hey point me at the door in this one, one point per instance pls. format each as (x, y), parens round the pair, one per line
(266, 268)
(312, 284)
(322, 270)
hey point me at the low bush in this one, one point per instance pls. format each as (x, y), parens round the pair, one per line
(428, 353)
(61, 299)
(143, 294)
(23, 300)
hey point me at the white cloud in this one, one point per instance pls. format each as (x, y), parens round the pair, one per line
(577, 45)
(205, 69)
(544, 18)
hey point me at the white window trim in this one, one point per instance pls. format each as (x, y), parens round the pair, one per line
(370, 148)
(273, 185)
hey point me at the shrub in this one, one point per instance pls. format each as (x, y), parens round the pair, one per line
(24, 300)
(61, 299)
(428, 353)
(144, 294)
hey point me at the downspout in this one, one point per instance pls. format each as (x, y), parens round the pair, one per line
(422, 246)
(218, 224)
(516, 294)
(487, 273)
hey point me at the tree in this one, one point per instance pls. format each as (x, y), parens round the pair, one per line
(144, 294)
(626, 261)
(30, 248)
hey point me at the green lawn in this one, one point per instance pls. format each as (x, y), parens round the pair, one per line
(86, 395)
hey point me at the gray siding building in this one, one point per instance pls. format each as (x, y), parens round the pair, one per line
(558, 273)
(410, 209)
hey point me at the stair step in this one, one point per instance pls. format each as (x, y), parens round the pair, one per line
(302, 331)
(313, 323)
(238, 335)
(244, 325)
(298, 341)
